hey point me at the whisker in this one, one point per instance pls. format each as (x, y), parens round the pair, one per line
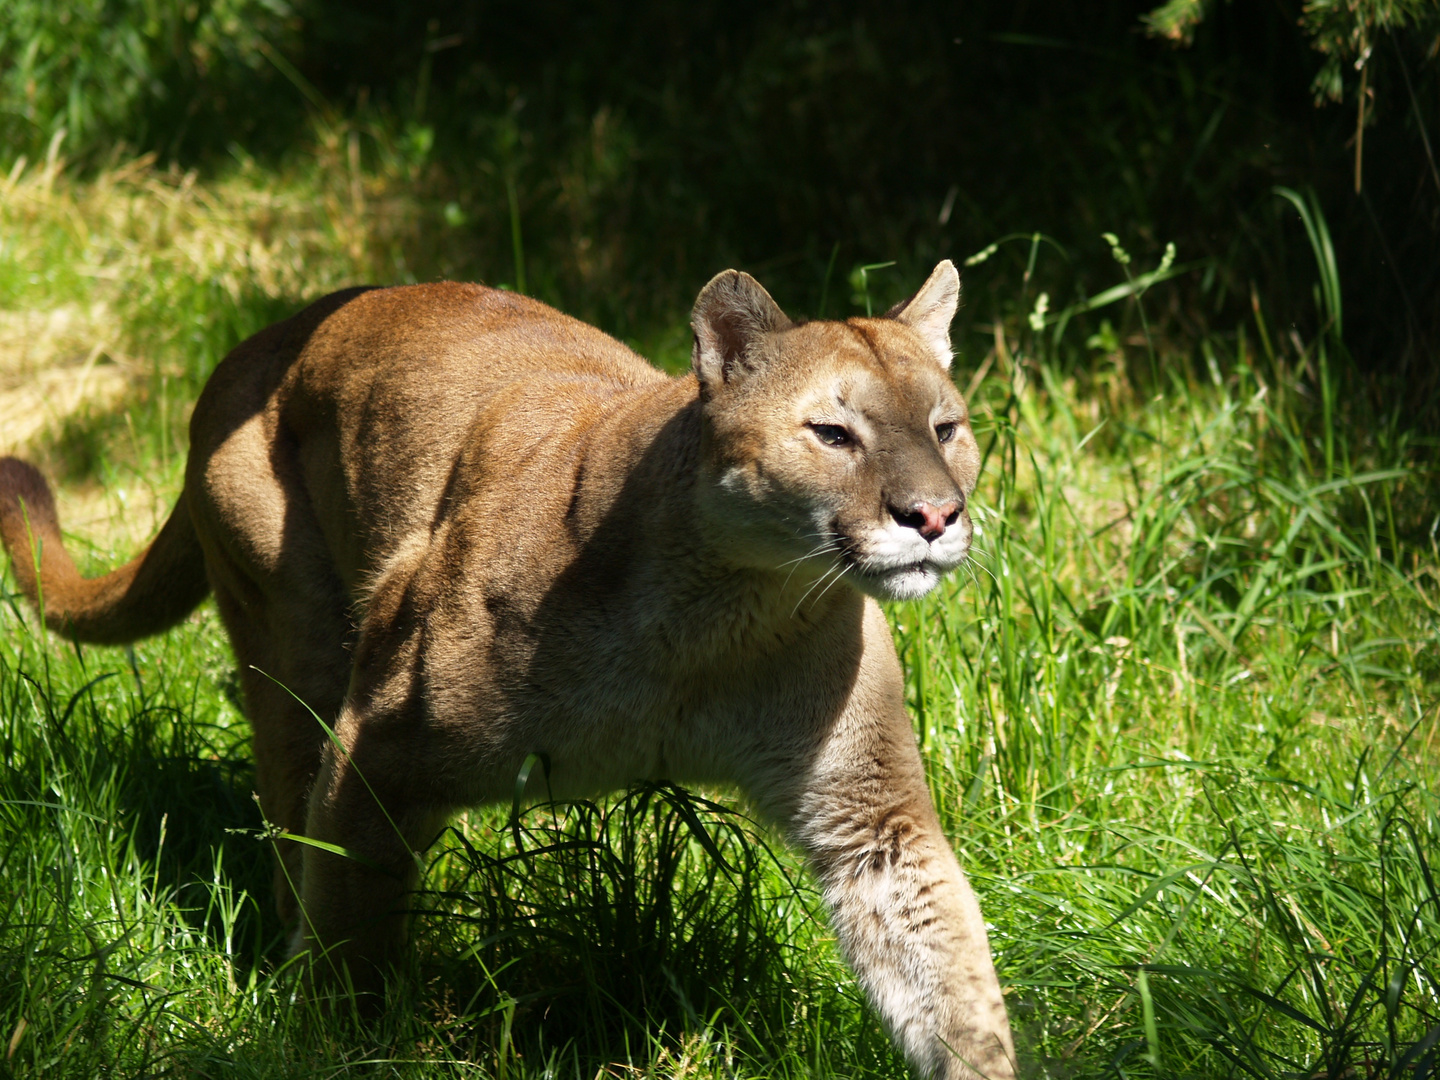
(829, 547)
(970, 572)
(807, 592)
(838, 569)
(977, 552)
(973, 563)
(843, 570)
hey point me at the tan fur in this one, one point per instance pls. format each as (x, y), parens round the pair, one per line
(466, 528)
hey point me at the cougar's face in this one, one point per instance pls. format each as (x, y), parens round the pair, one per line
(846, 451)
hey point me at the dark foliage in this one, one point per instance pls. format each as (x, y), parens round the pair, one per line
(645, 145)
(764, 135)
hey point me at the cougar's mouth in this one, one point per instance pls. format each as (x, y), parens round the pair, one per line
(888, 579)
(907, 581)
(893, 575)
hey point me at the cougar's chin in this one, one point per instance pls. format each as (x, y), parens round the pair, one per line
(891, 567)
(908, 582)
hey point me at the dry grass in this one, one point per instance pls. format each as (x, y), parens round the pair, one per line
(54, 364)
(118, 292)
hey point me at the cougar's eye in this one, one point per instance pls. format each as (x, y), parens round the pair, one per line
(944, 432)
(831, 434)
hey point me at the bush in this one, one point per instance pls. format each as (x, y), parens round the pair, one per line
(149, 72)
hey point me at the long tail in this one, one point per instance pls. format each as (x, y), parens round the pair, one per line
(151, 593)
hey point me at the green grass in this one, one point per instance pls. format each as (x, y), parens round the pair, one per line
(1180, 719)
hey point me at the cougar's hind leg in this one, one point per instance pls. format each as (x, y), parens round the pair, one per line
(355, 906)
(293, 668)
(397, 768)
(287, 614)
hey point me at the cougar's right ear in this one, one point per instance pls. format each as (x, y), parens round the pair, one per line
(732, 314)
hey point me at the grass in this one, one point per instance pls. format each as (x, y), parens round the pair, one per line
(1181, 722)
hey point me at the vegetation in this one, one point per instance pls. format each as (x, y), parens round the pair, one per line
(1180, 717)
(634, 148)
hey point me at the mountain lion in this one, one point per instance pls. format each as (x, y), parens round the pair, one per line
(464, 528)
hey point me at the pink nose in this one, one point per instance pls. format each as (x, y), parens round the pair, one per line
(929, 520)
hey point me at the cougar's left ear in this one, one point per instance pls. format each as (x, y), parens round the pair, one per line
(930, 310)
(732, 314)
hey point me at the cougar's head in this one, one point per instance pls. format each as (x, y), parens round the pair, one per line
(835, 447)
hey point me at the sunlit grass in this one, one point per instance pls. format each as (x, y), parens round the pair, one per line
(1183, 720)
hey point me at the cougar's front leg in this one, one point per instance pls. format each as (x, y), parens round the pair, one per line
(906, 918)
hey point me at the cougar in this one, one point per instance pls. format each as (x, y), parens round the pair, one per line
(463, 528)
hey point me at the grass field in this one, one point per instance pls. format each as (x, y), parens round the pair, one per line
(1181, 718)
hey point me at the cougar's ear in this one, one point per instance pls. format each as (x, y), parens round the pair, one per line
(731, 315)
(930, 310)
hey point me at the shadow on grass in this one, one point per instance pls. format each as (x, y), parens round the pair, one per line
(657, 917)
(93, 741)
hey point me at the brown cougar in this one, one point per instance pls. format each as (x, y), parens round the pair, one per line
(463, 528)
